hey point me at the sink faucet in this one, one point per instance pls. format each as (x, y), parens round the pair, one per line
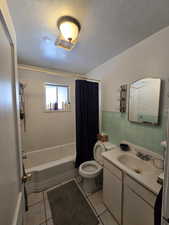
(142, 156)
(147, 157)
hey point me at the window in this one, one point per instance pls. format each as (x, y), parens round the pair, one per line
(57, 97)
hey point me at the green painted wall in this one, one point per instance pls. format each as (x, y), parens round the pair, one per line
(117, 126)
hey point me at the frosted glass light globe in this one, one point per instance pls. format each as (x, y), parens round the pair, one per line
(69, 31)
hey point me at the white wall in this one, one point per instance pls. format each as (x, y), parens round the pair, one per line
(46, 129)
(10, 173)
(149, 58)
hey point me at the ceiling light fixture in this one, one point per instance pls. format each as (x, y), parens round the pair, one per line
(69, 29)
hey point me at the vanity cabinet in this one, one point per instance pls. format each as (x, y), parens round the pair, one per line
(112, 189)
(136, 211)
(129, 201)
(138, 204)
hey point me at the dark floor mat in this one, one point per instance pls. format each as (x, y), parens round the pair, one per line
(69, 206)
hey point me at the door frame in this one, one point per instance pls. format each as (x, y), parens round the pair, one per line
(6, 21)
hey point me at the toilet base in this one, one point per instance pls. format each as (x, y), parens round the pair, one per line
(91, 185)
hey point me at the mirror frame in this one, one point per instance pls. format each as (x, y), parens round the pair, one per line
(145, 123)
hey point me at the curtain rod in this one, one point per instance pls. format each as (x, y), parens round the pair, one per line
(56, 73)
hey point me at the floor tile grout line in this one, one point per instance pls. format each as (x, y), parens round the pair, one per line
(101, 215)
(93, 207)
(98, 214)
(87, 198)
(113, 216)
(85, 194)
(91, 204)
(110, 215)
(103, 212)
(101, 220)
(36, 203)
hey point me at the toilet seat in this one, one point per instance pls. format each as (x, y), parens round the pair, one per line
(90, 169)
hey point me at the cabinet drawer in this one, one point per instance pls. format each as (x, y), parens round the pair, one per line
(113, 169)
(144, 193)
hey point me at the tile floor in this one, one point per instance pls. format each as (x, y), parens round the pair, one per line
(39, 210)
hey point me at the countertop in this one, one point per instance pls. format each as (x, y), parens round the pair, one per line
(148, 179)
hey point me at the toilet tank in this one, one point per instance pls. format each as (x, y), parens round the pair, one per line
(101, 147)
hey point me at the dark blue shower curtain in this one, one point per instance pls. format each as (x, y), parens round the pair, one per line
(87, 119)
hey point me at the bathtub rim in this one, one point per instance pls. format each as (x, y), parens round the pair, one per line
(51, 164)
(49, 148)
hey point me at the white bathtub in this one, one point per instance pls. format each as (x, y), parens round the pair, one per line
(50, 166)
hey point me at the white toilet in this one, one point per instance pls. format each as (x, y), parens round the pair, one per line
(91, 171)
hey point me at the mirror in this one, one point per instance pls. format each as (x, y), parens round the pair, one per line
(144, 101)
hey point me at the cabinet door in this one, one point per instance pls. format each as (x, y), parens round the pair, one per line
(112, 192)
(135, 210)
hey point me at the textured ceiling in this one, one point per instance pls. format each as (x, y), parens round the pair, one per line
(108, 28)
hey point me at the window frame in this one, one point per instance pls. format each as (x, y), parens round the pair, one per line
(59, 85)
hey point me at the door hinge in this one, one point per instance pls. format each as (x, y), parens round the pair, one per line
(26, 177)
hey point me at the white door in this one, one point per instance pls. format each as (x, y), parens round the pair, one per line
(10, 163)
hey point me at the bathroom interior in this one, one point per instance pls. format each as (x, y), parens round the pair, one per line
(88, 91)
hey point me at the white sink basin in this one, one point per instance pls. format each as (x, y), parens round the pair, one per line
(137, 165)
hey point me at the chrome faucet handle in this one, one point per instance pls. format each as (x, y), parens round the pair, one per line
(147, 157)
(142, 156)
(139, 154)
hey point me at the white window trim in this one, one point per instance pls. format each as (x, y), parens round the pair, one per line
(44, 97)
